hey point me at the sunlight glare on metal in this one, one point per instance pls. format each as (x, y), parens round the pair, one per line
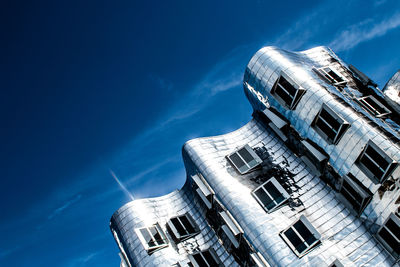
(121, 185)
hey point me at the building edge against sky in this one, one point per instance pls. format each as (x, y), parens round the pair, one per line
(312, 179)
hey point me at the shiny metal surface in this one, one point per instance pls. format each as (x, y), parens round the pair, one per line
(344, 236)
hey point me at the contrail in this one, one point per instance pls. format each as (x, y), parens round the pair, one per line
(121, 185)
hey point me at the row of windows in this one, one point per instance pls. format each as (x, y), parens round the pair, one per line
(301, 236)
(374, 162)
(181, 228)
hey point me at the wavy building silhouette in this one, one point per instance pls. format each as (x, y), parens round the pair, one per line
(311, 180)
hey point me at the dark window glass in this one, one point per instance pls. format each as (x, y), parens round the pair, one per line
(376, 106)
(181, 230)
(245, 155)
(288, 86)
(156, 235)
(393, 227)
(351, 195)
(188, 226)
(264, 198)
(325, 128)
(295, 240)
(336, 77)
(237, 160)
(371, 166)
(377, 157)
(304, 232)
(200, 261)
(284, 95)
(209, 258)
(330, 119)
(274, 192)
(390, 240)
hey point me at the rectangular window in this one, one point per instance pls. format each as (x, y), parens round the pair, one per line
(152, 237)
(206, 258)
(373, 106)
(357, 196)
(375, 163)
(331, 75)
(389, 235)
(270, 195)
(231, 228)
(203, 190)
(244, 159)
(182, 227)
(287, 92)
(329, 125)
(301, 236)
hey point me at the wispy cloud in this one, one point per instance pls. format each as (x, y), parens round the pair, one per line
(66, 205)
(364, 31)
(82, 260)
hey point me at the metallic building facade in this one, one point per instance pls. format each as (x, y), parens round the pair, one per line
(311, 180)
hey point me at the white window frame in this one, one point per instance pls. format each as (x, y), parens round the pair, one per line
(259, 260)
(204, 190)
(344, 125)
(176, 232)
(311, 228)
(366, 170)
(295, 98)
(212, 253)
(329, 78)
(396, 220)
(371, 109)
(246, 167)
(366, 197)
(281, 190)
(231, 228)
(144, 242)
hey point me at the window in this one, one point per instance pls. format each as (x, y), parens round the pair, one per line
(244, 159)
(270, 195)
(331, 75)
(203, 190)
(375, 163)
(301, 236)
(231, 228)
(206, 258)
(336, 263)
(357, 196)
(152, 237)
(287, 92)
(182, 227)
(389, 235)
(373, 106)
(329, 125)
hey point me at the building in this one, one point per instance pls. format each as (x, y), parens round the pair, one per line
(311, 180)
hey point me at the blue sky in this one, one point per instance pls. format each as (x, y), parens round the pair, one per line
(93, 86)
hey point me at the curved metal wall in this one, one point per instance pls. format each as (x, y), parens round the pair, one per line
(263, 71)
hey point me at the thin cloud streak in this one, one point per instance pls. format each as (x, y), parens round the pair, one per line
(59, 210)
(364, 31)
